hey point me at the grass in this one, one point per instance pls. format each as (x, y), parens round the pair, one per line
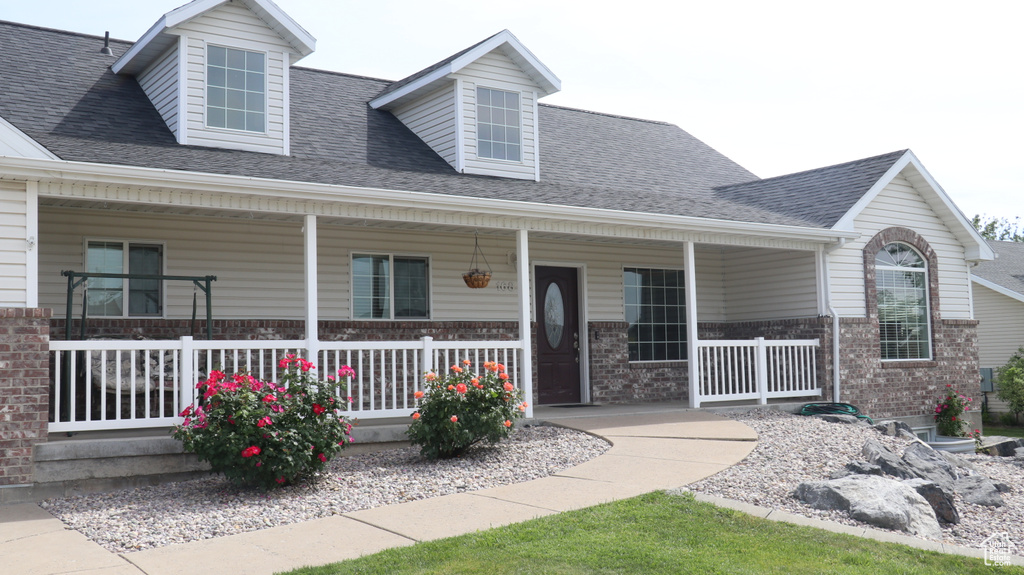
(994, 429)
(653, 534)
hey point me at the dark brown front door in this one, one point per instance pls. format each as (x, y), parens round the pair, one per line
(558, 335)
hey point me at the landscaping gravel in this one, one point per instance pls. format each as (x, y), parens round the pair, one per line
(793, 449)
(186, 511)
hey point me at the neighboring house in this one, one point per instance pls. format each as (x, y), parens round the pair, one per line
(631, 262)
(998, 294)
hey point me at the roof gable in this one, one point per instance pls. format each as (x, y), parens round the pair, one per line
(1005, 273)
(161, 35)
(432, 77)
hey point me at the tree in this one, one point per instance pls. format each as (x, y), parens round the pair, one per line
(1000, 229)
(1010, 379)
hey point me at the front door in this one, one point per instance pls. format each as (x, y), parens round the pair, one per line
(558, 335)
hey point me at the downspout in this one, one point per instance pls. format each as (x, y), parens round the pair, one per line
(835, 319)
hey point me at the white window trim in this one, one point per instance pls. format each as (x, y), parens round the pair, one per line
(685, 324)
(391, 300)
(266, 91)
(124, 283)
(927, 301)
(476, 124)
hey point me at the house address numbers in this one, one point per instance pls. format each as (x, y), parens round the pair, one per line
(506, 286)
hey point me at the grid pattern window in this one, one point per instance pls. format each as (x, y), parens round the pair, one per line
(236, 89)
(498, 125)
(107, 296)
(656, 314)
(901, 276)
(390, 287)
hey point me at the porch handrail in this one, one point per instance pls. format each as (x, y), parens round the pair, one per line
(732, 370)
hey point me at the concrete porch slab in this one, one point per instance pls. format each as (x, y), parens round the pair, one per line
(677, 424)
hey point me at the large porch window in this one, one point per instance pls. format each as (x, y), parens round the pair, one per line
(390, 287)
(902, 287)
(107, 296)
(656, 314)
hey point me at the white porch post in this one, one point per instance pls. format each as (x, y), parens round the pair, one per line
(523, 281)
(32, 244)
(312, 300)
(692, 351)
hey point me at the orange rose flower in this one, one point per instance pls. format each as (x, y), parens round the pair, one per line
(451, 387)
(475, 381)
(508, 423)
(467, 363)
(416, 415)
(501, 367)
(456, 369)
(503, 376)
(418, 394)
(509, 386)
(455, 419)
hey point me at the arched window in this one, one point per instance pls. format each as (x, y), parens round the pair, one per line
(901, 276)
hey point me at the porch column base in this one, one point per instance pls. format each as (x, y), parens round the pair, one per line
(24, 390)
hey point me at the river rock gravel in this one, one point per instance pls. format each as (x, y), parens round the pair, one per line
(170, 513)
(793, 449)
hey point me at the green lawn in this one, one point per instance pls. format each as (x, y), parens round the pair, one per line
(1001, 430)
(652, 534)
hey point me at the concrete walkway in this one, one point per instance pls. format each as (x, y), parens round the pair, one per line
(651, 450)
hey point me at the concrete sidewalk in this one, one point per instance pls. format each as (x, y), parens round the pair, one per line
(651, 451)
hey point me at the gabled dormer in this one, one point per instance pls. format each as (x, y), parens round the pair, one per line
(217, 71)
(478, 109)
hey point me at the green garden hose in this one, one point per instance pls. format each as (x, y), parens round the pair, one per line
(833, 409)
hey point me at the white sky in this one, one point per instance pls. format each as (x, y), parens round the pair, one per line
(778, 86)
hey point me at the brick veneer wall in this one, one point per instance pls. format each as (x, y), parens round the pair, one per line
(24, 390)
(614, 379)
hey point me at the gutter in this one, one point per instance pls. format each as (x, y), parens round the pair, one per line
(835, 319)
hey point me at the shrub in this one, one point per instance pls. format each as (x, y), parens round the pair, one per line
(1010, 379)
(461, 409)
(266, 434)
(949, 413)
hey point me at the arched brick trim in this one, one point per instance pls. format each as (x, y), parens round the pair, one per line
(913, 239)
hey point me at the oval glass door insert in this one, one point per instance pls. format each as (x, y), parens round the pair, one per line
(554, 315)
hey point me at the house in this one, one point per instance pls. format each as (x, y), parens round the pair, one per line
(998, 297)
(201, 170)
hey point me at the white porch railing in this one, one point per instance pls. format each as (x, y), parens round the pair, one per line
(731, 370)
(124, 384)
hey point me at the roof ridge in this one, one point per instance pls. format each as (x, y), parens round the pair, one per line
(65, 32)
(896, 153)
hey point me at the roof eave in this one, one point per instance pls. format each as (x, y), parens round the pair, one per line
(997, 288)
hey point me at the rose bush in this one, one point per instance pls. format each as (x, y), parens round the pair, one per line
(266, 434)
(462, 408)
(949, 413)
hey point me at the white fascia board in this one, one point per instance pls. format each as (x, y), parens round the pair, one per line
(140, 45)
(305, 41)
(997, 288)
(549, 85)
(978, 251)
(108, 174)
(23, 141)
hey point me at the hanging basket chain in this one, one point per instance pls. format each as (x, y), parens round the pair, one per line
(475, 277)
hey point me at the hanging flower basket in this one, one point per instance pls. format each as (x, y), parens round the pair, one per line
(475, 277)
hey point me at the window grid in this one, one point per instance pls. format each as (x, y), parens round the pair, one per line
(498, 125)
(236, 89)
(656, 314)
(386, 287)
(902, 293)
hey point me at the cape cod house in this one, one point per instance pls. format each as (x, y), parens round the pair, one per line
(199, 170)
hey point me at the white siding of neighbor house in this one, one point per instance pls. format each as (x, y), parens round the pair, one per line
(234, 26)
(763, 284)
(495, 70)
(160, 82)
(432, 118)
(14, 211)
(1000, 332)
(900, 205)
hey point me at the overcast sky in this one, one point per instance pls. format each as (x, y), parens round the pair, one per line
(779, 86)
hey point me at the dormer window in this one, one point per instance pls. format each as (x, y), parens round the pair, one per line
(499, 133)
(236, 83)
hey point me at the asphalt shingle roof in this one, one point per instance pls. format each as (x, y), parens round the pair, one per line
(59, 90)
(1007, 270)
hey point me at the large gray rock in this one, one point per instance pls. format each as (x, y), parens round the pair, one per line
(979, 490)
(1018, 453)
(926, 463)
(1000, 446)
(892, 428)
(963, 467)
(941, 501)
(875, 500)
(857, 468)
(890, 463)
(840, 418)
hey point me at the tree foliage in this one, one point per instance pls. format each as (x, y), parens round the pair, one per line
(1000, 229)
(1010, 379)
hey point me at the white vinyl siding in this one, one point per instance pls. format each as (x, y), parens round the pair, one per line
(234, 26)
(900, 205)
(13, 232)
(762, 284)
(432, 118)
(496, 71)
(1000, 332)
(160, 82)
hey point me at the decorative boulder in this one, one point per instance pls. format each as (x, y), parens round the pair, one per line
(941, 501)
(857, 468)
(893, 428)
(875, 500)
(890, 463)
(1018, 453)
(839, 418)
(926, 463)
(978, 490)
(1000, 446)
